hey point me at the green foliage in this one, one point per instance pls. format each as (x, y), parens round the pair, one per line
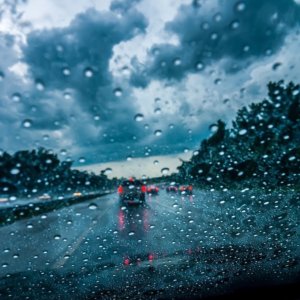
(261, 149)
(38, 171)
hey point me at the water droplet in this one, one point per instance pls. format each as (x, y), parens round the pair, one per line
(107, 171)
(27, 123)
(139, 117)
(93, 206)
(218, 81)
(81, 160)
(234, 25)
(63, 152)
(156, 162)
(292, 158)
(16, 97)
(39, 84)
(240, 6)
(29, 226)
(12, 198)
(57, 237)
(242, 131)
(177, 62)
(217, 17)
(276, 66)
(67, 96)
(165, 171)
(66, 71)
(199, 66)
(214, 36)
(131, 233)
(88, 72)
(214, 128)
(158, 132)
(246, 48)
(14, 171)
(118, 92)
(157, 111)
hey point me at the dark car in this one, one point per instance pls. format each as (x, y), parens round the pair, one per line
(132, 191)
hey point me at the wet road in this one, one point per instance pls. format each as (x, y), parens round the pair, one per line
(100, 230)
(101, 245)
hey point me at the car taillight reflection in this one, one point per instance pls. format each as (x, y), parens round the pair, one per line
(121, 219)
(144, 189)
(120, 189)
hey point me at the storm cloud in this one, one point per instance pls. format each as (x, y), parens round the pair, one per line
(79, 83)
(237, 32)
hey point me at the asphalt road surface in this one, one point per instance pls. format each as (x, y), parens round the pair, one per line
(99, 248)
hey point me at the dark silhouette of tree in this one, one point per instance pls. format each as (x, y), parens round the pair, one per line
(261, 148)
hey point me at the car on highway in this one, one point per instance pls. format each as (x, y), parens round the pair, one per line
(152, 189)
(186, 189)
(132, 191)
(172, 188)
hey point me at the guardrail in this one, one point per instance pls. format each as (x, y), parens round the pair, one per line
(9, 215)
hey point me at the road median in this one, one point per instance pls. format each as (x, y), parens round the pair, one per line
(9, 215)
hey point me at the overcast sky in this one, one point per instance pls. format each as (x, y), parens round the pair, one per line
(107, 80)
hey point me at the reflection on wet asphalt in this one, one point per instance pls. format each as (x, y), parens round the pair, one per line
(192, 237)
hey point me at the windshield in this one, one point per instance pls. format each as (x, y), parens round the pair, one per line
(149, 149)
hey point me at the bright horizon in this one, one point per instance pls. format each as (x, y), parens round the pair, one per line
(150, 166)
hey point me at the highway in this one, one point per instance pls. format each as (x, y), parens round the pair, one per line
(100, 248)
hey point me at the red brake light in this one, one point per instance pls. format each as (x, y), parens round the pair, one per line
(120, 189)
(190, 188)
(144, 189)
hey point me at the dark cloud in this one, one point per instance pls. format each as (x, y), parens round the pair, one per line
(123, 6)
(237, 31)
(73, 65)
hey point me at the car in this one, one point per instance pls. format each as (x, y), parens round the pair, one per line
(186, 189)
(172, 188)
(132, 191)
(152, 189)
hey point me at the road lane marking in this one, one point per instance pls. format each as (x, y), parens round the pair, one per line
(62, 260)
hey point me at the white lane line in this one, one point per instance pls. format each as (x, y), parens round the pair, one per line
(62, 260)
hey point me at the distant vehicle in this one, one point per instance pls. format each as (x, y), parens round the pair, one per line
(132, 191)
(172, 188)
(77, 194)
(152, 189)
(45, 197)
(186, 190)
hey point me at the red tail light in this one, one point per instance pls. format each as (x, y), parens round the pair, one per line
(144, 189)
(190, 188)
(120, 189)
